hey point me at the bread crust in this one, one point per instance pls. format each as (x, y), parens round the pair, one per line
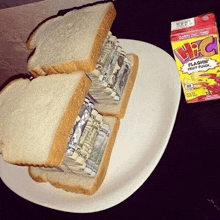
(120, 109)
(37, 178)
(89, 63)
(106, 159)
(69, 116)
(129, 87)
(79, 188)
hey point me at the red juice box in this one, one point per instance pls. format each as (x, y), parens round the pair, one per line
(195, 44)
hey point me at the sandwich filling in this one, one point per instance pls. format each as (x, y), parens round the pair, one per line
(111, 73)
(87, 142)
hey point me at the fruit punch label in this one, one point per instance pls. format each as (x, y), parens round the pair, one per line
(195, 44)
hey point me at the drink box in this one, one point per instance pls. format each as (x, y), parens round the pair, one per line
(195, 44)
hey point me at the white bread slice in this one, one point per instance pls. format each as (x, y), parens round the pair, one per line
(71, 42)
(120, 109)
(37, 116)
(77, 183)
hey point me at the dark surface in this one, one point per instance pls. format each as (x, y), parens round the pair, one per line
(186, 182)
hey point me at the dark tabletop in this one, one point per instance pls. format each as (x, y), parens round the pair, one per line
(186, 182)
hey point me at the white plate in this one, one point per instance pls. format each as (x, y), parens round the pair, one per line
(140, 143)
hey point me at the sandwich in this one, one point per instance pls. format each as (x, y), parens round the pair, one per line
(62, 122)
(81, 40)
(51, 125)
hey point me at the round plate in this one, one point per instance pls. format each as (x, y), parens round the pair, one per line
(142, 138)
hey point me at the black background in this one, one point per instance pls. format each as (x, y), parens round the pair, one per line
(186, 182)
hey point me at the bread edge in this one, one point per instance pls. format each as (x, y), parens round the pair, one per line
(39, 179)
(127, 92)
(106, 158)
(69, 116)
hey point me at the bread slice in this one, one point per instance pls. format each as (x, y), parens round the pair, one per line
(71, 42)
(119, 109)
(37, 116)
(77, 183)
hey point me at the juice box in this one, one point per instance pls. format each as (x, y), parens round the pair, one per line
(195, 44)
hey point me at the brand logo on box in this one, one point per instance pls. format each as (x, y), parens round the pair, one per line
(200, 48)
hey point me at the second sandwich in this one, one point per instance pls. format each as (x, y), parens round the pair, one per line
(81, 40)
